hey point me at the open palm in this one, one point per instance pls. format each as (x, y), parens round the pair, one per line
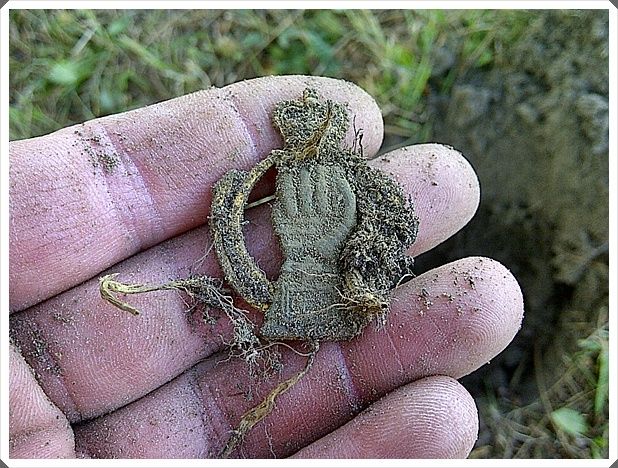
(133, 191)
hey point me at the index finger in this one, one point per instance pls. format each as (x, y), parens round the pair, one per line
(87, 196)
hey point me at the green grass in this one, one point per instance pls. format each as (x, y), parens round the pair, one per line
(68, 66)
(570, 417)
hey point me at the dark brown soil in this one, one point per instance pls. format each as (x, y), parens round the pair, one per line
(535, 128)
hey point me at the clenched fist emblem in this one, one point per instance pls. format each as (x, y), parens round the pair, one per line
(314, 213)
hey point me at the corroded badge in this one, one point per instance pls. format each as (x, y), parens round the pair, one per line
(343, 226)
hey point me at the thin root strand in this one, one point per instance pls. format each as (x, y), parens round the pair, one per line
(259, 412)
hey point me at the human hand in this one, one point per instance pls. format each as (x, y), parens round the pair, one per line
(158, 386)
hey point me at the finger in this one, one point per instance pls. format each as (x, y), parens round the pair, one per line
(88, 196)
(431, 418)
(37, 428)
(129, 356)
(91, 357)
(448, 321)
(442, 185)
(446, 337)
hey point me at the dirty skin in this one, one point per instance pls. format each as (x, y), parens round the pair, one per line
(343, 228)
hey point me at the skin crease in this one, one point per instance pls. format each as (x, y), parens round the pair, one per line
(158, 373)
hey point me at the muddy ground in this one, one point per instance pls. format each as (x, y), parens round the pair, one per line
(535, 128)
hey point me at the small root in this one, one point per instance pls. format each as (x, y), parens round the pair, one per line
(259, 412)
(203, 289)
(259, 202)
(404, 279)
(363, 298)
(281, 343)
(200, 261)
(208, 291)
(108, 286)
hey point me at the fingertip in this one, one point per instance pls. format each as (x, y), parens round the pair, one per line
(497, 309)
(445, 415)
(443, 186)
(433, 417)
(479, 306)
(502, 284)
